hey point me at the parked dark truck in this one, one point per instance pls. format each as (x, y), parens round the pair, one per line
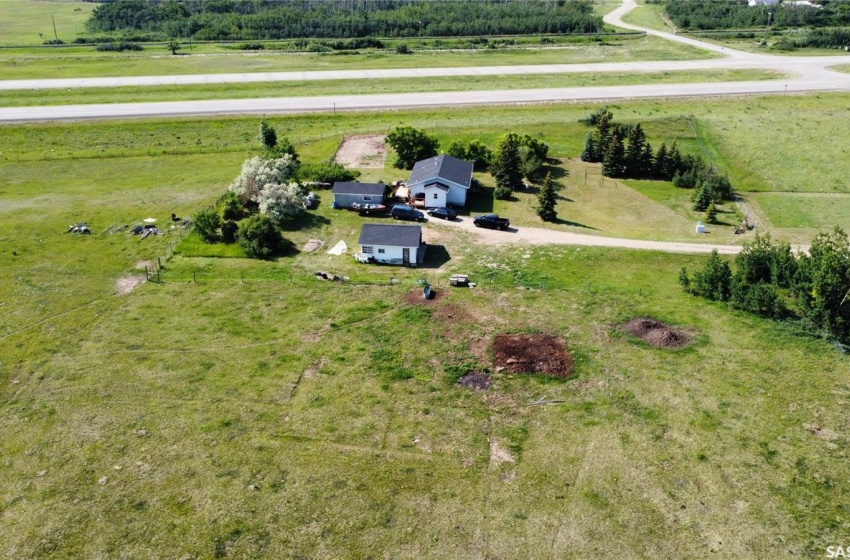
(492, 221)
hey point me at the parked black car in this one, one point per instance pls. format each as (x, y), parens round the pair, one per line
(492, 221)
(444, 213)
(402, 212)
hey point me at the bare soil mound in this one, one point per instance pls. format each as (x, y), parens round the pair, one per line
(362, 151)
(414, 297)
(533, 353)
(476, 380)
(657, 334)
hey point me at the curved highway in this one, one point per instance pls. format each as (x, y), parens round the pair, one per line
(804, 74)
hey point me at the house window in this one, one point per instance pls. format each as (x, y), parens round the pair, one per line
(367, 198)
(367, 249)
(435, 196)
(381, 251)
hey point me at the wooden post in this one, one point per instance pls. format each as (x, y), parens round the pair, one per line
(159, 262)
(194, 280)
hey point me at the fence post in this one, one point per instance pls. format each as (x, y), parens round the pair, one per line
(194, 281)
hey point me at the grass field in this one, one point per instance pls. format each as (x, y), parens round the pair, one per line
(51, 64)
(259, 413)
(28, 22)
(21, 98)
(649, 16)
(805, 210)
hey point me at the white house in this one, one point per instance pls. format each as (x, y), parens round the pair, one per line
(391, 244)
(442, 180)
(762, 2)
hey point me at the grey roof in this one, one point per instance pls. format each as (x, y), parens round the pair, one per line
(440, 186)
(390, 235)
(376, 189)
(445, 167)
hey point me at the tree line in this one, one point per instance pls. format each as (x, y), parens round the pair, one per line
(267, 19)
(724, 14)
(769, 280)
(625, 153)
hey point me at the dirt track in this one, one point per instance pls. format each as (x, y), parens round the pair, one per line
(540, 236)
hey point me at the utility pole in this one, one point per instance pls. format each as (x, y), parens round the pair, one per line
(55, 35)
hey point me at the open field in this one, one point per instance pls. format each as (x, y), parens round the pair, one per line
(805, 210)
(50, 64)
(28, 22)
(20, 98)
(286, 417)
(649, 16)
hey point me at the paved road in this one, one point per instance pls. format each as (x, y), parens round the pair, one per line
(807, 74)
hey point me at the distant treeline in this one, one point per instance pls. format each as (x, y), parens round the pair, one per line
(270, 19)
(723, 14)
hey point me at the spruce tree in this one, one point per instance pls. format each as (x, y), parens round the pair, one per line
(703, 198)
(547, 200)
(662, 163)
(507, 165)
(589, 153)
(603, 135)
(647, 162)
(634, 152)
(674, 160)
(613, 165)
(711, 213)
(267, 135)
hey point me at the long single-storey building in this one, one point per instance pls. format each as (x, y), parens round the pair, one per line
(391, 244)
(346, 194)
(442, 180)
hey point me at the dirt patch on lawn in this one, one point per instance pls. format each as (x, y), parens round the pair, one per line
(127, 284)
(364, 151)
(532, 353)
(499, 454)
(657, 334)
(476, 380)
(414, 297)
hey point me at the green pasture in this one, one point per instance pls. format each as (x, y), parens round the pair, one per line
(20, 98)
(244, 409)
(158, 61)
(805, 210)
(30, 22)
(650, 16)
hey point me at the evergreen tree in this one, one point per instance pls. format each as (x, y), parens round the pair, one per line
(267, 135)
(613, 165)
(507, 167)
(603, 135)
(715, 280)
(674, 160)
(647, 162)
(821, 284)
(711, 213)
(547, 200)
(589, 153)
(703, 199)
(633, 161)
(662, 163)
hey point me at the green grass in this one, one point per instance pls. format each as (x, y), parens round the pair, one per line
(260, 413)
(844, 68)
(650, 16)
(52, 64)
(28, 22)
(22, 98)
(805, 210)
